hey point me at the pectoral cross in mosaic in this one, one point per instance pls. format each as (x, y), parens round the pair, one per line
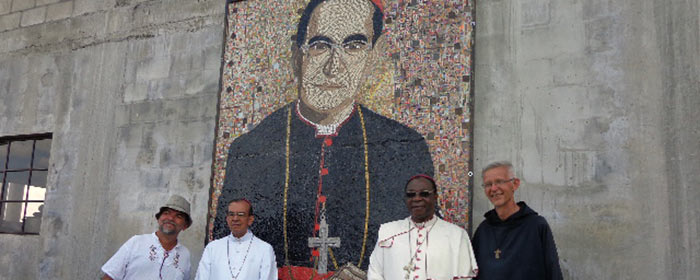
(497, 253)
(322, 242)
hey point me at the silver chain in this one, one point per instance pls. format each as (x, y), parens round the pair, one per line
(228, 257)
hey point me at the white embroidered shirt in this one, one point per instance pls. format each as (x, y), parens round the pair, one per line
(142, 257)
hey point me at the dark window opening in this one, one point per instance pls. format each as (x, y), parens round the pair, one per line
(24, 165)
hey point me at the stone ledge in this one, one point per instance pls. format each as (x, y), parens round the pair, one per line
(21, 5)
(47, 2)
(5, 6)
(33, 16)
(10, 21)
(34, 37)
(109, 26)
(59, 11)
(87, 6)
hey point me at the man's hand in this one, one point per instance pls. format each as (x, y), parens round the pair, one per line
(349, 272)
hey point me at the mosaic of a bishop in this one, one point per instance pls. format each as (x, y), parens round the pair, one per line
(324, 156)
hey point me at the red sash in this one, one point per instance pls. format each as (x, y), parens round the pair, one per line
(300, 273)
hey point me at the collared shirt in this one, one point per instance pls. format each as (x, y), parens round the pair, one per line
(230, 257)
(434, 249)
(142, 257)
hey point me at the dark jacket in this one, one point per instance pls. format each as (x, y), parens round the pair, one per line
(523, 242)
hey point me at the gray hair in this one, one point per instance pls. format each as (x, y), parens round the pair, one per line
(496, 164)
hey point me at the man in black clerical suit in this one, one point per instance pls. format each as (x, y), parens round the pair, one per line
(324, 156)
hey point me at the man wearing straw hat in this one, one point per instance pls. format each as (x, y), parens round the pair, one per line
(156, 255)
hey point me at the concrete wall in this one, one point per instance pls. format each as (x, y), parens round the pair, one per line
(595, 102)
(129, 89)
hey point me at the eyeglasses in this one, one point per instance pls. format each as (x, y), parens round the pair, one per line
(239, 214)
(421, 194)
(496, 183)
(354, 47)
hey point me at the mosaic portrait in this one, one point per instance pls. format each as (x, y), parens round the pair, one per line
(329, 106)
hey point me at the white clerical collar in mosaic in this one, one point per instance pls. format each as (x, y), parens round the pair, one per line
(329, 129)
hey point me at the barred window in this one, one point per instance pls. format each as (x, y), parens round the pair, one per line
(24, 164)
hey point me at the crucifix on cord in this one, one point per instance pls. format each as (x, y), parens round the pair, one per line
(322, 242)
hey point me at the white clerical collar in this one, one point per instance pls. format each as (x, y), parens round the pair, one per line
(327, 129)
(427, 223)
(248, 235)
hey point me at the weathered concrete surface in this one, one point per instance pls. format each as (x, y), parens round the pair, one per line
(16, 251)
(129, 90)
(595, 102)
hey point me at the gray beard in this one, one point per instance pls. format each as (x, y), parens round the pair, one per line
(166, 231)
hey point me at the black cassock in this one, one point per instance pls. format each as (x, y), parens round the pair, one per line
(256, 170)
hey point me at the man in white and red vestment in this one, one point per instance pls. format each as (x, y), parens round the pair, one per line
(422, 246)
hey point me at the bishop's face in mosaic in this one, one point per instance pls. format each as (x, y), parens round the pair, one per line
(336, 55)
